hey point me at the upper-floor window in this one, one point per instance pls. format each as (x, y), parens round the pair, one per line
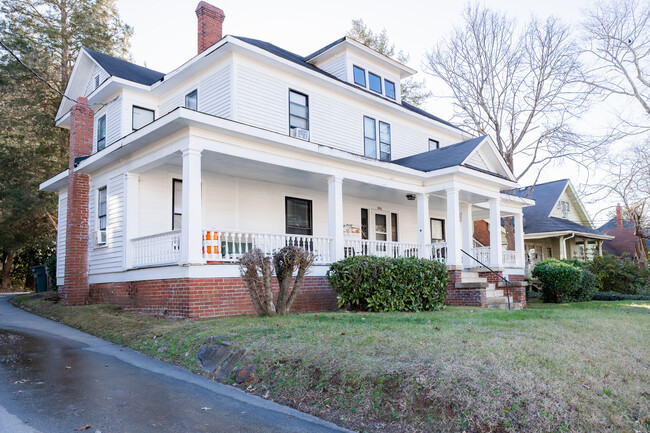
(192, 100)
(434, 144)
(96, 81)
(101, 133)
(141, 117)
(298, 110)
(564, 207)
(389, 89)
(369, 137)
(298, 214)
(359, 76)
(374, 82)
(384, 141)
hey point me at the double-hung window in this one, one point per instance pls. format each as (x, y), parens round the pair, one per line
(374, 82)
(389, 89)
(437, 230)
(177, 204)
(101, 215)
(101, 133)
(359, 76)
(384, 141)
(192, 100)
(370, 137)
(298, 214)
(298, 110)
(141, 117)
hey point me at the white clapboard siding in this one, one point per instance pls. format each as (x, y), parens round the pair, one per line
(475, 160)
(108, 258)
(214, 93)
(262, 100)
(113, 114)
(407, 141)
(60, 238)
(103, 76)
(335, 66)
(335, 124)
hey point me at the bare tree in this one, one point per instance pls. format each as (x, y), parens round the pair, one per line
(523, 88)
(617, 54)
(628, 180)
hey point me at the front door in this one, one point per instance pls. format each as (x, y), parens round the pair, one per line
(381, 223)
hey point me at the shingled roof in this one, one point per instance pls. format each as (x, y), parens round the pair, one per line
(537, 218)
(123, 69)
(447, 156)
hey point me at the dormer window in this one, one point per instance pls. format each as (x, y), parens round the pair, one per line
(389, 89)
(374, 82)
(359, 76)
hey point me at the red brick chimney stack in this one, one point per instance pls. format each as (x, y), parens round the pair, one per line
(619, 217)
(210, 25)
(75, 286)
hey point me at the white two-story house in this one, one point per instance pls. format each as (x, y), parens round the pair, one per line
(173, 176)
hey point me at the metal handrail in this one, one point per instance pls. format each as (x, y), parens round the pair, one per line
(491, 270)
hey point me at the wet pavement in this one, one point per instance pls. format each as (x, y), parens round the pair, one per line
(57, 379)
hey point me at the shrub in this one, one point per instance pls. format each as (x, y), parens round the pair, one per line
(619, 275)
(613, 296)
(563, 282)
(50, 266)
(369, 283)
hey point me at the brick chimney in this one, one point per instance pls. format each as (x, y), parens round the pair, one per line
(75, 281)
(619, 217)
(210, 25)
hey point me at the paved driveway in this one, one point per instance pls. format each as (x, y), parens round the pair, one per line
(56, 379)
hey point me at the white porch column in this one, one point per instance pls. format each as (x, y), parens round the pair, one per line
(496, 259)
(467, 232)
(131, 215)
(519, 240)
(424, 225)
(192, 219)
(335, 217)
(454, 242)
(562, 248)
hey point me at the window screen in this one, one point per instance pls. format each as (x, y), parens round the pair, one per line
(101, 209)
(370, 137)
(141, 117)
(298, 110)
(298, 216)
(177, 204)
(192, 100)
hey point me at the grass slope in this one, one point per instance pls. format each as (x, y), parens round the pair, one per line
(580, 367)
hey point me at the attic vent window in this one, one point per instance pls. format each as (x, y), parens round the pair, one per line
(565, 207)
(96, 81)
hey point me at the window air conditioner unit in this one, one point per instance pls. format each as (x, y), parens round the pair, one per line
(300, 133)
(100, 237)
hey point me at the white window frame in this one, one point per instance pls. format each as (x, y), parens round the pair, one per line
(98, 225)
(194, 92)
(138, 107)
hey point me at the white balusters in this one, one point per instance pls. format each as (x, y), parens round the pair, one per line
(159, 249)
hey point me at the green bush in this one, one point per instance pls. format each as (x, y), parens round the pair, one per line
(369, 283)
(621, 275)
(613, 296)
(563, 282)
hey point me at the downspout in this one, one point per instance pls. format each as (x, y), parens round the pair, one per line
(564, 241)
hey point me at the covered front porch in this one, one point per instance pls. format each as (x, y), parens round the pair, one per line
(198, 206)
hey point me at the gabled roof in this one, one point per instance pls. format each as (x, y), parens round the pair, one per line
(444, 157)
(537, 218)
(123, 69)
(611, 224)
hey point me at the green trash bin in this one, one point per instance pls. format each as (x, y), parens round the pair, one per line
(40, 278)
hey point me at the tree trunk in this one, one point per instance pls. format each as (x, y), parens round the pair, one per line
(509, 225)
(7, 264)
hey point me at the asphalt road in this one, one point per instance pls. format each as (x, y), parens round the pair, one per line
(54, 378)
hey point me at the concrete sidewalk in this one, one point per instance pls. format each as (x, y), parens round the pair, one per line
(54, 378)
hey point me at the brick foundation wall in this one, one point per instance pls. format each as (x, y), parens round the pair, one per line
(203, 297)
(463, 297)
(75, 286)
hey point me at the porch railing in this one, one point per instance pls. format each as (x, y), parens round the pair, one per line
(364, 247)
(437, 251)
(509, 258)
(229, 246)
(158, 249)
(482, 254)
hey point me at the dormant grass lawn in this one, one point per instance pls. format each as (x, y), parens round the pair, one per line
(549, 368)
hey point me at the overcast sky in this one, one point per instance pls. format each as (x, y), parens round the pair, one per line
(165, 34)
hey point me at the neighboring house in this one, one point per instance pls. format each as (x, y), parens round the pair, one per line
(625, 242)
(558, 225)
(247, 145)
